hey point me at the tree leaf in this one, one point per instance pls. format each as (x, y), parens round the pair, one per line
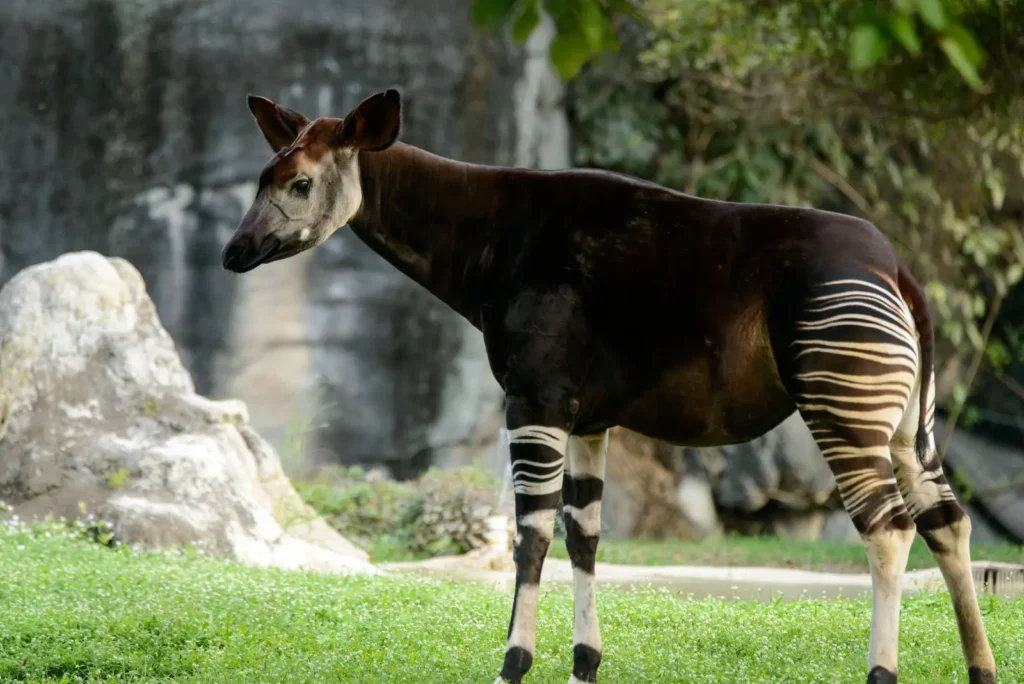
(996, 188)
(903, 29)
(960, 61)
(569, 51)
(933, 13)
(526, 20)
(967, 43)
(867, 47)
(487, 13)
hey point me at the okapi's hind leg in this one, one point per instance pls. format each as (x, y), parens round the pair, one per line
(947, 529)
(849, 359)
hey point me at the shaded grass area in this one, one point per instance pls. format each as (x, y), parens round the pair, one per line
(77, 612)
(769, 552)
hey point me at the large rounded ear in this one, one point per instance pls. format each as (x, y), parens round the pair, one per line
(280, 125)
(373, 125)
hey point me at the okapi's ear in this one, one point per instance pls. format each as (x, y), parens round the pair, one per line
(280, 125)
(373, 125)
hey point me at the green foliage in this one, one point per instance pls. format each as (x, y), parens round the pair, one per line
(86, 527)
(770, 552)
(880, 26)
(760, 103)
(443, 512)
(72, 613)
(117, 478)
(149, 408)
(584, 28)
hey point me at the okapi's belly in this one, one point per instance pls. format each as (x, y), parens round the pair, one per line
(720, 397)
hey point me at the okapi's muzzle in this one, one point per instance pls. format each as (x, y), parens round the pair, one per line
(245, 252)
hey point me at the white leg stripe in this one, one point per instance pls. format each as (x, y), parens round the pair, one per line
(539, 464)
(585, 629)
(524, 623)
(538, 434)
(538, 488)
(588, 518)
(887, 555)
(543, 522)
(587, 456)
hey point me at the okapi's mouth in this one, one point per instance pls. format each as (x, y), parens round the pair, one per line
(243, 255)
(290, 251)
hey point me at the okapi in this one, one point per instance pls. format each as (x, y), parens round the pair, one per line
(604, 300)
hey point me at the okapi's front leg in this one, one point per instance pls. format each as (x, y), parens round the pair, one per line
(581, 505)
(538, 440)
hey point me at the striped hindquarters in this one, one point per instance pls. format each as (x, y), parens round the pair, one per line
(856, 365)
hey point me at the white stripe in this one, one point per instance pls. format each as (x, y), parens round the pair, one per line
(588, 517)
(543, 522)
(538, 434)
(538, 464)
(587, 456)
(538, 488)
(524, 631)
(585, 626)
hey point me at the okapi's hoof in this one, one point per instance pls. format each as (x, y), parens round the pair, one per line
(879, 675)
(518, 662)
(585, 660)
(975, 675)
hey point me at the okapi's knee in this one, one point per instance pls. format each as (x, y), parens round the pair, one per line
(581, 498)
(582, 547)
(944, 527)
(529, 550)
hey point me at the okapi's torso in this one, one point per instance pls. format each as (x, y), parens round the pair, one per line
(669, 301)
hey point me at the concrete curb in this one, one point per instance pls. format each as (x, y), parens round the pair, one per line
(710, 582)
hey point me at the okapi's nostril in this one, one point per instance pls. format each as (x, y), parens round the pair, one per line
(232, 251)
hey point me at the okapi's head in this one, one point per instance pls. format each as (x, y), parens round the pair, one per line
(310, 187)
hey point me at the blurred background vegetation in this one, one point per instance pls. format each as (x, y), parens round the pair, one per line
(906, 113)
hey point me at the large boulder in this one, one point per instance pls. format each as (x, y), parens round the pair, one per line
(97, 411)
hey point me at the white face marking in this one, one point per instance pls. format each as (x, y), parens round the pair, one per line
(304, 234)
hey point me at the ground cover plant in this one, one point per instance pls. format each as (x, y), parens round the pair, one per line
(72, 610)
(443, 513)
(734, 550)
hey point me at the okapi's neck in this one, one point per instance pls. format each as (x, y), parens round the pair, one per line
(434, 219)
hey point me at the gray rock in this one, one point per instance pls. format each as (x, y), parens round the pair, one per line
(126, 132)
(839, 528)
(989, 480)
(640, 493)
(96, 409)
(783, 466)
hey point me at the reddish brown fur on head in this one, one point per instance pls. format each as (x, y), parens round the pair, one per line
(310, 187)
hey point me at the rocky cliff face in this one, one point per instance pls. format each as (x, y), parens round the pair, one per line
(125, 131)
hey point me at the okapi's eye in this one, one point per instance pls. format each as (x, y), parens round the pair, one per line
(301, 187)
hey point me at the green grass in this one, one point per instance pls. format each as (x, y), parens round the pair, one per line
(768, 551)
(77, 612)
